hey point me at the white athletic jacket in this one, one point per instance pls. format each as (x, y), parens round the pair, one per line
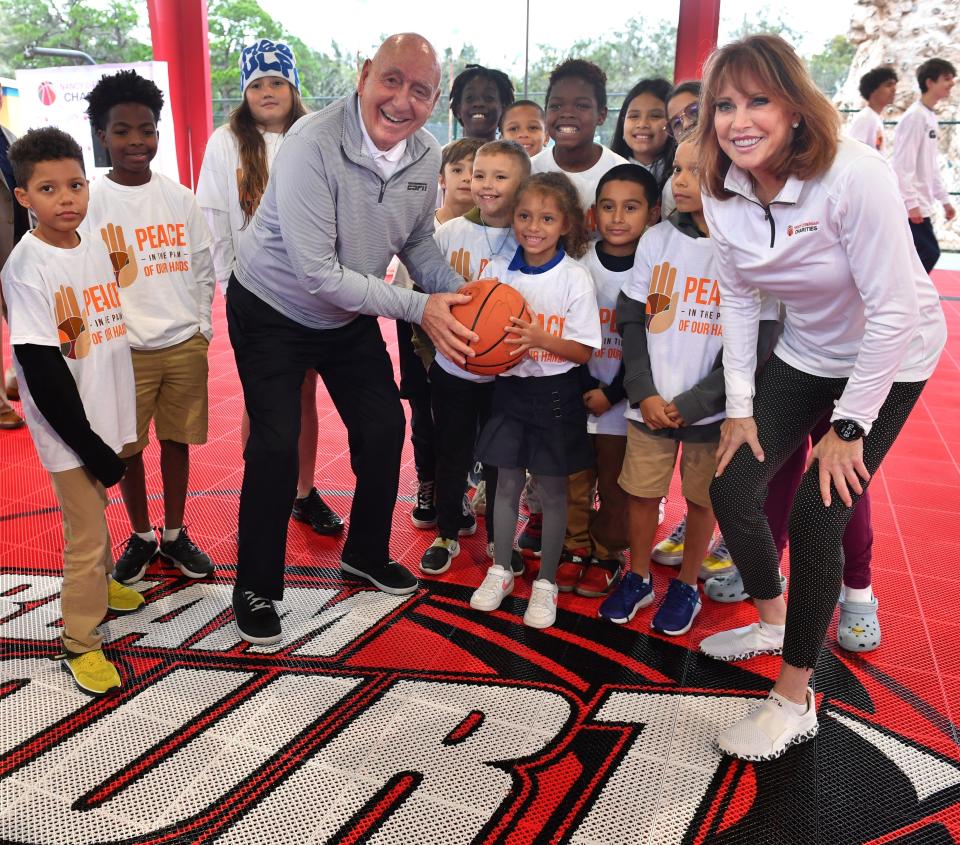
(837, 252)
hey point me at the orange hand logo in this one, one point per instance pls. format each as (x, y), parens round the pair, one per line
(460, 262)
(71, 325)
(662, 301)
(122, 256)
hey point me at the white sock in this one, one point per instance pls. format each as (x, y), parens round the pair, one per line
(864, 595)
(792, 706)
(147, 536)
(170, 534)
(776, 629)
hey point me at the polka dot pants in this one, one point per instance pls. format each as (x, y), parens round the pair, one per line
(787, 405)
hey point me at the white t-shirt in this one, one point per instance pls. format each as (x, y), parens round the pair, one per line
(470, 247)
(607, 360)
(170, 299)
(867, 127)
(563, 302)
(585, 181)
(685, 349)
(68, 298)
(218, 193)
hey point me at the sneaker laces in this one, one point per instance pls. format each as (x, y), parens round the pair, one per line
(255, 602)
(184, 539)
(425, 494)
(719, 549)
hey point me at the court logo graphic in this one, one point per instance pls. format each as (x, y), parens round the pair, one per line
(47, 93)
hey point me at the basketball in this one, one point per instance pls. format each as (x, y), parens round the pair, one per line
(490, 308)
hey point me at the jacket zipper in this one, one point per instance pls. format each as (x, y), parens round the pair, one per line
(767, 215)
(383, 188)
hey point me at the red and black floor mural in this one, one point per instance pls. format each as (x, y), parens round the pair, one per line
(415, 719)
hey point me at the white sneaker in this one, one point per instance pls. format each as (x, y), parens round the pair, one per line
(479, 500)
(770, 729)
(541, 610)
(743, 643)
(497, 585)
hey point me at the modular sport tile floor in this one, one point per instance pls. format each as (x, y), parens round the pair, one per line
(417, 720)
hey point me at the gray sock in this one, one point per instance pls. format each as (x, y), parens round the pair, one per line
(553, 498)
(506, 509)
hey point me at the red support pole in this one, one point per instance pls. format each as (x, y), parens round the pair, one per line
(696, 37)
(179, 32)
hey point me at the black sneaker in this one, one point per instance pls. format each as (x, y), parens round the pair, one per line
(390, 577)
(436, 560)
(424, 513)
(517, 563)
(316, 513)
(185, 555)
(136, 557)
(257, 619)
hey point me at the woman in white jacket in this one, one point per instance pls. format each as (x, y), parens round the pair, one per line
(816, 222)
(236, 166)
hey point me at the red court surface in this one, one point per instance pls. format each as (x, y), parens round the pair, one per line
(418, 720)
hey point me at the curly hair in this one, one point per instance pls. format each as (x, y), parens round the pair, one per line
(873, 79)
(127, 86)
(39, 145)
(558, 186)
(581, 69)
(497, 77)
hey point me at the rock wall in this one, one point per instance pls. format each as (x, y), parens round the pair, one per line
(903, 34)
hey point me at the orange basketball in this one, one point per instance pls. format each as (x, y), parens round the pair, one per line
(488, 311)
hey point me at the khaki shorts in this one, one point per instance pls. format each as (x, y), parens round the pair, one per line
(171, 391)
(649, 462)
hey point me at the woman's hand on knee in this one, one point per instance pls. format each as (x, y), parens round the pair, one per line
(841, 462)
(734, 432)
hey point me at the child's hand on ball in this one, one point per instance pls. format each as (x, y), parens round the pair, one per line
(525, 336)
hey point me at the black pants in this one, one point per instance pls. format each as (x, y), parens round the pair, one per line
(926, 243)
(272, 354)
(415, 388)
(460, 408)
(787, 405)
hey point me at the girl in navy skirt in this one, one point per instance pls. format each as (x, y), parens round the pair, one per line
(539, 421)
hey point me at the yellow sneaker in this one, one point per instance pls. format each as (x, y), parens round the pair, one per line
(93, 673)
(122, 599)
(717, 562)
(670, 550)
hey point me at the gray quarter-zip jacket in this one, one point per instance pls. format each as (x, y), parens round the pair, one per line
(329, 224)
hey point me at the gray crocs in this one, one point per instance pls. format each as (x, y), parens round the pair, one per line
(858, 628)
(729, 588)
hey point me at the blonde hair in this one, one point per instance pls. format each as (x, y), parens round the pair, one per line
(773, 66)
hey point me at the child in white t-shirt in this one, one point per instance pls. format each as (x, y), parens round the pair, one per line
(878, 87)
(160, 247)
(576, 106)
(627, 203)
(524, 121)
(539, 422)
(76, 383)
(461, 399)
(669, 316)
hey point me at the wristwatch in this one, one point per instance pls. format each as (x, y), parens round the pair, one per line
(848, 430)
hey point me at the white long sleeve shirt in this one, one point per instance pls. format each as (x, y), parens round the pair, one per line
(915, 160)
(837, 252)
(867, 127)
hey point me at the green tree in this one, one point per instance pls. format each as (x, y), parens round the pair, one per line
(829, 67)
(766, 20)
(103, 31)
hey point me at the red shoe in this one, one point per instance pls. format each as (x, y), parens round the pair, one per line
(571, 568)
(599, 578)
(529, 540)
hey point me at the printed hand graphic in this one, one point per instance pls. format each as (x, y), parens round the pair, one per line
(460, 262)
(662, 301)
(71, 324)
(122, 256)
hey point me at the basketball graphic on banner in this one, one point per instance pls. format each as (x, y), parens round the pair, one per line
(46, 93)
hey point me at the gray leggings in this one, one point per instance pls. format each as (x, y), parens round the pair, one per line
(553, 498)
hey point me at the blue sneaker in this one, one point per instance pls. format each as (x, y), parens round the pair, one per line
(624, 602)
(677, 610)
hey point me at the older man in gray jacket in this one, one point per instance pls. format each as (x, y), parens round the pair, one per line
(352, 186)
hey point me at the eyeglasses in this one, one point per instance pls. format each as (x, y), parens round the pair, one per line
(684, 119)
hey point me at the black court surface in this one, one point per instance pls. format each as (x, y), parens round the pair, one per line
(401, 721)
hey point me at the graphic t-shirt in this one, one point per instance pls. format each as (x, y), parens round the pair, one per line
(563, 302)
(585, 182)
(470, 246)
(167, 287)
(69, 298)
(218, 193)
(607, 360)
(674, 274)
(867, 127)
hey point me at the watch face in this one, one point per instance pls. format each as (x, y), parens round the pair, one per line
(848, 430)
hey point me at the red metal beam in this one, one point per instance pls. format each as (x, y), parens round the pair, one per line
(179, 32)
(696, 37)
